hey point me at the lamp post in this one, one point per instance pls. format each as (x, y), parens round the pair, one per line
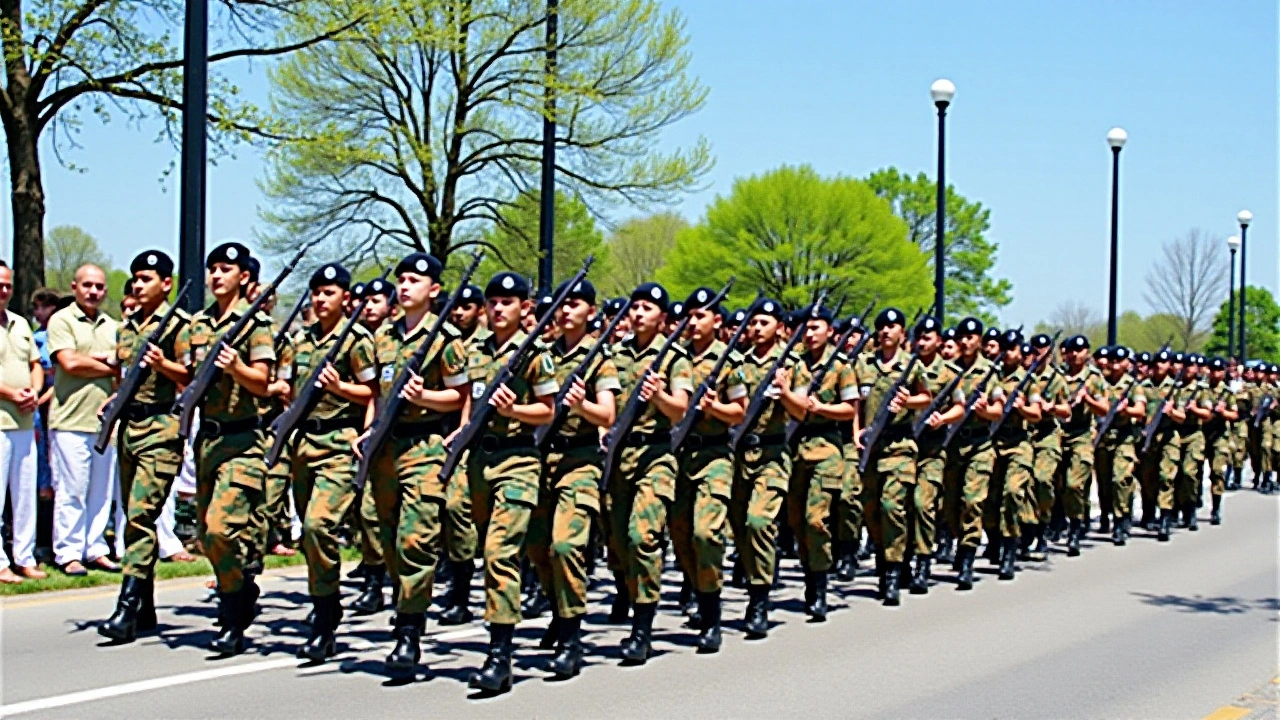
(195, 100)
(547, 216)
(1116, 138)
(942, 90)
(1244, 217)
(1233, 243)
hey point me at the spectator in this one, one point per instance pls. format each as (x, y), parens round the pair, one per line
(21, 380)
(82, 343)
(44, 303)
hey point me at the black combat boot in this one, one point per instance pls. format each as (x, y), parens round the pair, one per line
(1009, 558)
(1166, 523)
(1117, 533)
(1104, 523)
(964, 555)
(408, 634)
(847, 560)
(321, 644)
(636, 647)
(920, 577)
(687, 602)
(1041, 551)
(459, 610)
(370, 599)
(757, 618)
(1215, 517)
(1128, 526)
(1192, 523)
(495, 675)
(892, 572)
(946, 546)
(880, 575)
(535, 601)
(621, 600)
(709, 611)
(551, 637)
(815, 590)
(1026, 538)
(567, 662)
(1074, 531)
(125, 623)
(993, 552)
(234, 617)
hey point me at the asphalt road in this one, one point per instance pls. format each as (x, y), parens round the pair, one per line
(1151, 630)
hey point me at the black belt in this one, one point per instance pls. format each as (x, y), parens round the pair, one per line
(830, 432)
(315, 426)
(494, 443)
(137, 412)
(895, 433)
(754, 440)
(653, 438)
(1011, 436)
(702, 442)
(222, 428)
(565, 443)
(974, 433)
(415, 430)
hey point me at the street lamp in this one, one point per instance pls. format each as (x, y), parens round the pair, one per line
(1244, 217)
(1233, 243)
(942, 90)
(1116, 138)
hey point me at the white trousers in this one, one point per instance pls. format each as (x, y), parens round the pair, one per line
(170, 544)
(18, 481)
(84, 487)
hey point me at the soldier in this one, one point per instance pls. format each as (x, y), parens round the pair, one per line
(818, 471)
(407, 489)
(1046, 443)
(273, 518)
(569, 500)
(1087, 396)
(643, 488)
(1268, 381)
(230, 470)
(505, 473)
(1239, 429)
(1166, 445)
(623, 328)
(1008, 506)
(1116, 454)
(950, 346)
(1218, 434)
(1199, 408)
(1102, 359)
(931, 458)
(849, 506)
(149, 449)
(764, 468)
(991, 349)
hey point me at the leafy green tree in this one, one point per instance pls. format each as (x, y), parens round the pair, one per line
(791, 232)
(66, 248)
(512, 244)
(1261, 326)
(970, 256)
(637, 249)
(426, 127)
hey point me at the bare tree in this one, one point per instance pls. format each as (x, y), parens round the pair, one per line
(1188, 282)
(638, 248)
(1073, 317)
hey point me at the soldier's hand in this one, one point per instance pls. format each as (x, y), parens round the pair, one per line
(899, 400)
(577, 393)
(706, 402)
(448, 441)
(152, 356)
(934, 421)
(1020, 402)
(413, 388)
(357, 445)
(652, 385)
(329, 378)
(782, 379)
(1219, 408)
(811, 405)
(980, 405)
(280, 389)
(857, 439)
(502, 400)
(1168, 406)
(227, 358)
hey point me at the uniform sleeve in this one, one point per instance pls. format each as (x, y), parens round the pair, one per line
(606, 377)
(60, 335)
(846, 383)
(542, 375)
(285, 363)
(453, 365)
(733, 384)
(800, 377)
(680, 374)
(363, 366)
(261, 344)
(182, 344)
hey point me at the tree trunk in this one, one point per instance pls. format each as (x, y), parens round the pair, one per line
(27, 207)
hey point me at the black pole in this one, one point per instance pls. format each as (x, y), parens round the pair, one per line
(940, 222)
(1231, 309)
(1115, 243)
(1244, 291)
(195, 101)
(547, 219)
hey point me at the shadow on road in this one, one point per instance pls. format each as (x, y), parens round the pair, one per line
(1213, 605)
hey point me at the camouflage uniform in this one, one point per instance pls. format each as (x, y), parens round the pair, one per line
(322, 466)
(504, 472)
(228, 450)
(1190, 482)
(644, 484)
(1116, 456)
(150, 451)
(1077, 463)
(1219, 438)
(705, 478)
(461, 540)
(1166, 445)
(1046, 443)
(931, 460)
(970, 459)
(272, 520)
(888, 486)
(569, 500)
(1009, 504)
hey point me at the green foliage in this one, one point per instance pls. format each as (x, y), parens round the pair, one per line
(637, 249)
(1132, 330)
(1261, 326)
(970, 257)
(66, 248)
(791, 233)
(513, 244)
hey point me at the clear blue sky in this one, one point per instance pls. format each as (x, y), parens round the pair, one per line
(844, 86)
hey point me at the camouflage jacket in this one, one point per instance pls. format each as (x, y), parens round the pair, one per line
(445, 364)
(632, 362)
(226, 400)
(538, 379)
(730, 386)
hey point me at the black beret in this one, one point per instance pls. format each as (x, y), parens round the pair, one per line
(232, 253)
(378, 286)
(507, 284)
(1026, 348)
(969, 326)
(1200, 360)
(652, 292)
(949, 334)
(738, 317)
(614, 306)
(1144, 358)
(420, 263)
(1180, 357)
(330, 274)
(992, 334)
(699, 299)
(1010, 339)
(597, 324)
(890, 316)
(1041, 341)
(357, 291)
(1217, 364)
(804, 314)
(255, 269)
(1121, 352)
(928, 324)
(1163, 356)
(584, 291)
(772, 308)
(1103, 353)
(677, 311)
(470, 295)
(1076, 342)
(152, 260)
(544, 304)
(1274, 368)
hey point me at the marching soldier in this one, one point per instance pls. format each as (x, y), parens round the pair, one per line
(1046, 443)
(1166, 445)
(1008, 505)
(931, 458)
(1198, 408)
(1088, 397)
(1218, 434)
(1116, 456)
(149, 449)
(849, 511)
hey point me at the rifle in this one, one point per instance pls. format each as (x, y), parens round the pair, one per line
(760, 399)
(1149, 431)
(920, 425)
(293, 315)
(881, 419)
(1264, 407)
(542, 436)
(133, 379)
(385, 417)
(309, 395)
(968, 405)
(1021, 388)
(481, 409)
(208, 372)
(694, 414)
(626, 419)
(1107, 420)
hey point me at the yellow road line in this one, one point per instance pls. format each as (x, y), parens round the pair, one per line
(1228, 712)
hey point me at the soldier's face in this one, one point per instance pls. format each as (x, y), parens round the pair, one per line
(327, 302)
(703, 325)
(1013, 356)
(890, 335)
(928, 343)
(969, 345)
(465, 315)
(854, 338)
(1218, 375)
(764, 329)
(573, 315)
(376, 310)
(646, 317)
(504, 313)
(1162, 368)
(817, 333)
(950, 350)
(991, 349)
(149, 288)
(416, 292)
(622, 328)
(226, 280)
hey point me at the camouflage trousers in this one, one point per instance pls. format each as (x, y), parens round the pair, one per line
(888, 488)
(1190, 479)
(229, 478)
(1222, 452)
(1076, 469)
(409, 499)
(1256, 461)
(1166, 463)
(700, 513)
(371, 550)
(849, 525)
(1116, 461)
(461, 539)
(560, 528)
(504, 491)
(965, 482)
(758, 490)
(1009, 503)
(817, 475)
(272, 520)
(931, 463)
(150, 456)
(323, 490)
(1239, 432)
(1048, 457)
(640, 494)
(1270, 444)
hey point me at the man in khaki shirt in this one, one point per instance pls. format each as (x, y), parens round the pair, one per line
(82, 343)
(21, 380)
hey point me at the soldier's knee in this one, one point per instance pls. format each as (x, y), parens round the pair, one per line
(757, 523)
